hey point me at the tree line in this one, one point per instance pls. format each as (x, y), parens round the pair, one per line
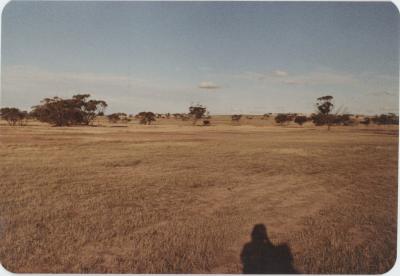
(81, 110)
(324, 116)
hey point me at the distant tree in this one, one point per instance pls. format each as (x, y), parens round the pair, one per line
(283, 118)
(197, 112)
(206, 122)
(300, 120)
(324, 104)
(13, 115)
(146, 117)
(113, 118)
(323, 119)
(266, 116)
(126, 119)
(236, 118)
(324, 108)
(89, 109)
(343, 119)
(366, 121)
(118, 117)
(64, 112)
(386, 119)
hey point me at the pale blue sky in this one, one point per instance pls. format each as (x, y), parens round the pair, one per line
(233, 57)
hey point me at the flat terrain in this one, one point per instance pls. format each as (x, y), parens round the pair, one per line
(177, 198)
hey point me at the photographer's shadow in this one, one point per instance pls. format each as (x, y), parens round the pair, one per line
(260, 256)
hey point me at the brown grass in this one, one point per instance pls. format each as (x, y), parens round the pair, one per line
(177, 198)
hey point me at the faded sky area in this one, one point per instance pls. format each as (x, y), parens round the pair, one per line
(233, 57)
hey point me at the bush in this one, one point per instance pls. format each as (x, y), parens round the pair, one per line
(117, 117)
(146, 117)
(266, 116)
(282, 118)
(13, 115)
(322, 119)
(332, 119)
(206, 122)
(236, 118)
(300, 120)
(366, 121)
(344, 119)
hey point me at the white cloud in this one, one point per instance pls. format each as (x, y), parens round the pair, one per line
(280, 73)
(208, 85)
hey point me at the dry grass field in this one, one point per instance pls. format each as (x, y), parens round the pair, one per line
(176, 198)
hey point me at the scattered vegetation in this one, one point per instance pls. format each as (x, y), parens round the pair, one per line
(80, 110)
(386, 119)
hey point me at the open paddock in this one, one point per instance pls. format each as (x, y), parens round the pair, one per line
(171, 197)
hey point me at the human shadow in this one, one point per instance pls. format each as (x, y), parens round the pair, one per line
(260, 256)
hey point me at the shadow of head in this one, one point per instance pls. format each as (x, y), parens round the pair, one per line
(259, 233)
(260, 256)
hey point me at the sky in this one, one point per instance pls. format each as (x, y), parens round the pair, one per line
(232, 57)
